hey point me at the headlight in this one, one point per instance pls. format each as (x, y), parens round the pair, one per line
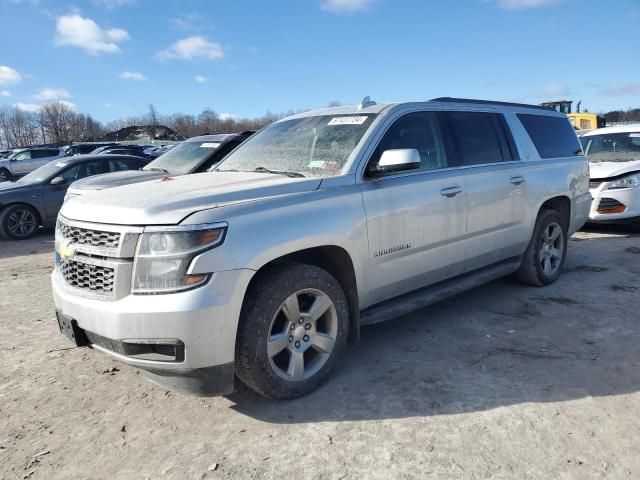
(629, 181)
(163, 257)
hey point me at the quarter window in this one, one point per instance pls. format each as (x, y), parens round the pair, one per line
(480, 138)
(552, 136)
(420, 131)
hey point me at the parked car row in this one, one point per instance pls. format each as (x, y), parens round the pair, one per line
(264, 268)
(19, 162)
(34, 200)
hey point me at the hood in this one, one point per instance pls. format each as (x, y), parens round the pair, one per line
(612, 169)
(8, 187)
(115, 179)
(167, 202)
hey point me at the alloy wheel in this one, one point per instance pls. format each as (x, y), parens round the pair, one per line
(551, 249)
(302, 335)
(21, 223)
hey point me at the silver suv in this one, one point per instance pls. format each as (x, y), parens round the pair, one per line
(266, 268)
(26, 161)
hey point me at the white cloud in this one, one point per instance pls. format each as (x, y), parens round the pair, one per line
(553, 89)
(5, 93)
(27, 107)
(190, 21)
(47, 94)
(520, 4)
(621, 90)
(227, 116)
(346, 6)
(200, 79)
(84, 33)
(132, 76)
(191, 48)
(111, 4)
(71, 105)
(9, 76)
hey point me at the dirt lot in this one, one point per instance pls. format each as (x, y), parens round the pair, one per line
(505, 381)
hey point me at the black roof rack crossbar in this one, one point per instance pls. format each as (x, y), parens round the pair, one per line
(489, 102)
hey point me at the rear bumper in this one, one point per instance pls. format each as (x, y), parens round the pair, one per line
(184, 341)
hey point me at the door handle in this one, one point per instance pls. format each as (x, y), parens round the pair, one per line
(451, 191)
(517, 180)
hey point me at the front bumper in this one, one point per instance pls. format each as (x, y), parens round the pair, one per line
(201, 324)
(606, 204)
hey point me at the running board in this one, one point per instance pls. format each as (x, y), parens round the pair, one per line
(426, 296)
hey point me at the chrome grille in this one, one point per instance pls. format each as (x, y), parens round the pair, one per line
(95, 278)
(594, 184)
(94, 238)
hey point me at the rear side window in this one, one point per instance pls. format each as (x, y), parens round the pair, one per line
(552, 136)
(480, 138)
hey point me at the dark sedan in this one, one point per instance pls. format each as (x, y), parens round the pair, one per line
(195, 155)
(35, 199)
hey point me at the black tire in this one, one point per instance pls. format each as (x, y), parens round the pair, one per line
(264, 306)
(531, 271)
(9, 216)
(5, 175)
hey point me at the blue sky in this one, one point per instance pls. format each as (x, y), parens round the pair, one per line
(112, 58)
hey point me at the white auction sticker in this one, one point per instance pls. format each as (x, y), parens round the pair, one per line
(317, 164)
(358, 120)
(210, 145)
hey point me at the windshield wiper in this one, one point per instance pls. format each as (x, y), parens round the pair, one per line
(279, 172)
(158, 169)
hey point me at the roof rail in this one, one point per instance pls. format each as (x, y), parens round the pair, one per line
(489, 102)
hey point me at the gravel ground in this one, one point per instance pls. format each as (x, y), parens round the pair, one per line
(504, 381)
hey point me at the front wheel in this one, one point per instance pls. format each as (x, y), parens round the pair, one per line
(5, 175)
(293, 329)
(18, 222)
(544, 258)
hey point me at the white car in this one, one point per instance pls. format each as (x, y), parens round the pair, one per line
(614, 163)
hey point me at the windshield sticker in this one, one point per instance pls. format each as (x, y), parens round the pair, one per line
(317, 164)
(210, 145)
(61, 164)
(634, 135)
(359, 120)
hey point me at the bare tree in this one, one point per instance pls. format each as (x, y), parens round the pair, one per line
(57, 119)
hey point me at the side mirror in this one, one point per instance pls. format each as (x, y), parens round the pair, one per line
(398, 160)
(59, 180)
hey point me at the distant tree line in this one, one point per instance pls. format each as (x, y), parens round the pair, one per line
(620, 116)
(56, 122)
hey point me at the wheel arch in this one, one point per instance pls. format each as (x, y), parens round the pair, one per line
(335, 260)
(562, 205)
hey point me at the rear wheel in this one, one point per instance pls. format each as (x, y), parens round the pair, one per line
(292, 331)
(5, 175)
(547, 251)
(18, 222)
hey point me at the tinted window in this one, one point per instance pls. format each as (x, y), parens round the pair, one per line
(88, 169)
(552, 136)
(421, 131)
(43, 153)
(480, 138)
(118, 165)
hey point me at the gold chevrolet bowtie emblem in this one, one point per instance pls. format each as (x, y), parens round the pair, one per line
(65, 250)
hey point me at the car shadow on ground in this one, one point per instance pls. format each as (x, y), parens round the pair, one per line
(41, 242)
(499, 344)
